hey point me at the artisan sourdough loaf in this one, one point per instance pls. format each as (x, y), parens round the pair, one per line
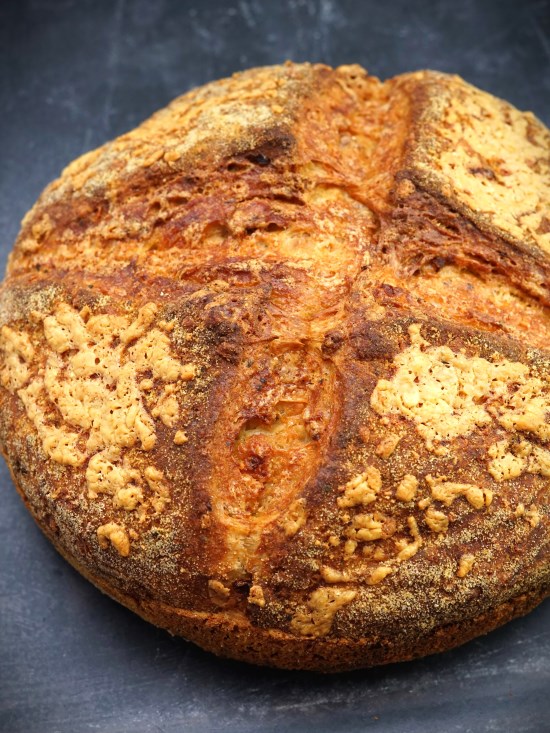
(275, 367)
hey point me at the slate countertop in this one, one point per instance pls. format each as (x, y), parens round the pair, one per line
(74, 73)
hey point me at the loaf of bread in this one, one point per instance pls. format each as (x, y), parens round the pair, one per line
(275, 366)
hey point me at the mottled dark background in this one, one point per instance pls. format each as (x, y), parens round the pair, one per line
(76, 73)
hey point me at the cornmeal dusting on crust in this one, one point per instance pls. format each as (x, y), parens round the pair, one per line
(465, 564)
(116, 535)
(449, 394)
(322, 606)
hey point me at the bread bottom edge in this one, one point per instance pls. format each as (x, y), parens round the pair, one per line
(232, 636)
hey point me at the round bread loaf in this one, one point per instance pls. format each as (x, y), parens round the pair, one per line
(275, 370)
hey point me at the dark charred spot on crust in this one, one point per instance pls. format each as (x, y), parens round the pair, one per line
(483, 172)
(237, 166)
(276, 142)
(243, 586)
(259, 159)
(19, 466)
(332, 341)
(392, 295)
(370, 343)
(223, 323)
(230, 351)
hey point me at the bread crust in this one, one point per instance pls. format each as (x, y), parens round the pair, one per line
(232, 635)
(275, 366)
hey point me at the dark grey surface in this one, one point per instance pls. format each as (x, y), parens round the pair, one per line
(73, 74)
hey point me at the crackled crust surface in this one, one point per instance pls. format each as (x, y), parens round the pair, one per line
(275, 367)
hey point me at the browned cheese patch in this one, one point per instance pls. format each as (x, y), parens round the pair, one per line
(317, 617)
(84, 394)
(447, 394)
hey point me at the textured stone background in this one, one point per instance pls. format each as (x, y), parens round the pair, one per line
(74, 73)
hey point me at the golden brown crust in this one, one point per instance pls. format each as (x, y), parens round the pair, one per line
(275, 366)
(482, 157)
